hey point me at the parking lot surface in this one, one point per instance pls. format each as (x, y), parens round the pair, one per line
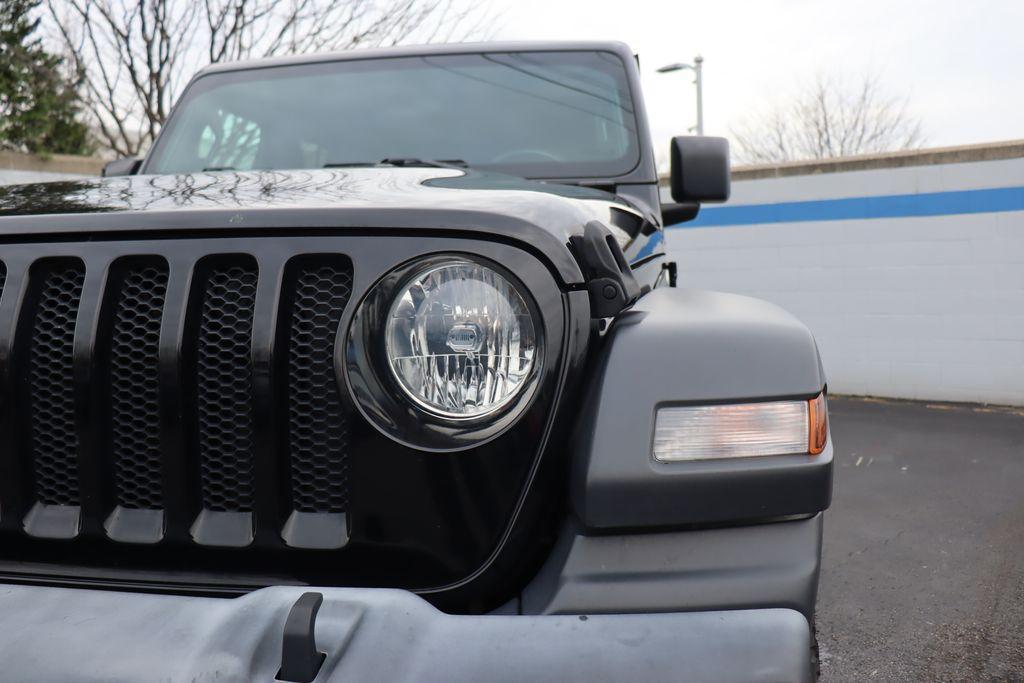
(923, 568)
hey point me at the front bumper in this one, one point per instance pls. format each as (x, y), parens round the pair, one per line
(730, 568)
(52, 634)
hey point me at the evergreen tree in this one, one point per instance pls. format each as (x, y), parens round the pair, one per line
(39, 105)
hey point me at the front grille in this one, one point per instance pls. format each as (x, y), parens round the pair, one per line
(162, 397)
(57, 290)
(135, 385)
(208, 440)
(224, 388)
(317, 428)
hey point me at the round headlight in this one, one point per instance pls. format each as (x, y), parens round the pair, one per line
(460, 340)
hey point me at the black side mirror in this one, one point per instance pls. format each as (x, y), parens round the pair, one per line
(700, 169)
(126, 166)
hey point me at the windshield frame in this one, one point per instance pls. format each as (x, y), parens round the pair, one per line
(642, 171)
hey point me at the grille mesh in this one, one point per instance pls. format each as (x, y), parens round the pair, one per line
(318, 430)
(225, 388)
(54, 441)
(135, 386)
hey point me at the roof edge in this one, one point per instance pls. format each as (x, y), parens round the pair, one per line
(429, 49)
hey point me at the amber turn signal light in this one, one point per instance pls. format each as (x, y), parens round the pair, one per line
(818, 421)
(740, 430)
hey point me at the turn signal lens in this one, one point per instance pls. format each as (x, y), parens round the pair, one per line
(818, 414)
(740, 430)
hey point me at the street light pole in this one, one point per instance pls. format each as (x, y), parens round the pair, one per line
(698, 63)
(696, 67)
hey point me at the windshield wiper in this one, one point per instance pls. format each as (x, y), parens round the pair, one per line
(404, 162)
(350, 164)
(432, 163)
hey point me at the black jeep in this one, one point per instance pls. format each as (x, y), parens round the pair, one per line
(391, 336)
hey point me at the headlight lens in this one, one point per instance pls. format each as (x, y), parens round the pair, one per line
(461, 340)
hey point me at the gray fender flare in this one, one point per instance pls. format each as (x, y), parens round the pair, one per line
(685, 346)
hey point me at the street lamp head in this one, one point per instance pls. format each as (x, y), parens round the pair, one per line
(698, 62)
(678, 66)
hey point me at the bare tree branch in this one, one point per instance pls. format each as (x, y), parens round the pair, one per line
(828, 120)
(137, 55)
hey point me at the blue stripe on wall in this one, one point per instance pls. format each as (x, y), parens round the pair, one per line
(887, 206)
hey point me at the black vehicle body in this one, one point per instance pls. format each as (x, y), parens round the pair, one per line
(557, 511)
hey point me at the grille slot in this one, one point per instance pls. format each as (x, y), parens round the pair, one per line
(54, 441)
(135, 385)
(317, 424)
(224, 387)
(3, 277)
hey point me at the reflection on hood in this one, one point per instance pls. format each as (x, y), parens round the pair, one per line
(262, 189)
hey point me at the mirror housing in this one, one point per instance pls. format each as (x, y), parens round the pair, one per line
(700, 169)
(126, 166)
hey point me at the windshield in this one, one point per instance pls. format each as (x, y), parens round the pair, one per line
(533, 114)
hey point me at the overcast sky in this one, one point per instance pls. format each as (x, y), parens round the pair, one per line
(961, 64)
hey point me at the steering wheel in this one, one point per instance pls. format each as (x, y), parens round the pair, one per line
(518, 154)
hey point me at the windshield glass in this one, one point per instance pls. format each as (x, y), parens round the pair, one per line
(533, 114)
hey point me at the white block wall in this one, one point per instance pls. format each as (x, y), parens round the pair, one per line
(909, 307)
(14, 177)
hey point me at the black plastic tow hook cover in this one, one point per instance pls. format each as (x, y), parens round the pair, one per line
(300, 660)
(610, 280)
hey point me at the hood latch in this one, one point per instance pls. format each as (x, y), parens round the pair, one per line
(610, 280)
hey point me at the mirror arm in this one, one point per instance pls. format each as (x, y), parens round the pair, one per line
(671, 214)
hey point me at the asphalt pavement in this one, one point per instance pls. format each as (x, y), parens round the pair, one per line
(923, 567)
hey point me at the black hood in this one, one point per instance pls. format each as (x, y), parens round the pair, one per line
(341, 199)
(328, 188)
